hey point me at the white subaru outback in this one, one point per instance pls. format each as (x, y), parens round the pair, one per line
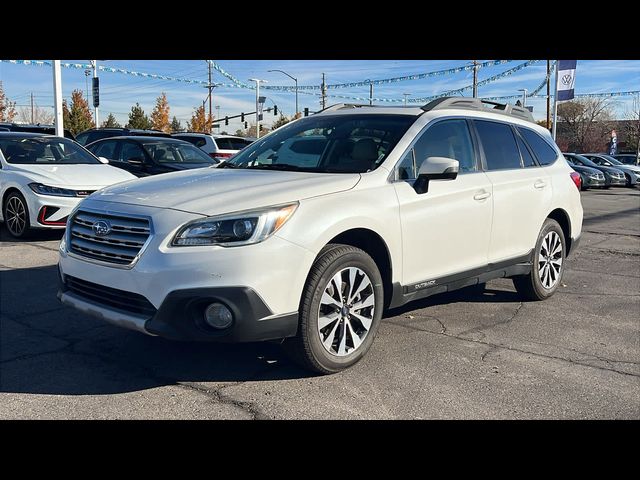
(381, 206)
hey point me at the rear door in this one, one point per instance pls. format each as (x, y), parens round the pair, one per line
(521, 190)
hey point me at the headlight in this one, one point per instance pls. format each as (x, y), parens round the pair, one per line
(41, 189)
(235, 229)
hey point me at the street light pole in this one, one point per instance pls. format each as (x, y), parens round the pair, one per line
(524, 96)
(57, 98)
(292, 78)
(257, 80)
(405, 98)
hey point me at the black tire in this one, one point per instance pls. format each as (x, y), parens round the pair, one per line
(16, 229)
(530, 286)
(306, 348)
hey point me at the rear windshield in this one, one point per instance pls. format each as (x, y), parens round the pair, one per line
(232, 143)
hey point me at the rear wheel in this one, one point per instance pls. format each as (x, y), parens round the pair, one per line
(548, 264)
(16, 215)
(340, 310)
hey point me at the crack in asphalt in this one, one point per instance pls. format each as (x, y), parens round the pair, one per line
(599, 294)
(481, 328)
(495, 346)
(216, 394)
(612, 233)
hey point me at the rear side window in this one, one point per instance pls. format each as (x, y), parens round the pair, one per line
(231, 143)
(499, 145)
(542, 150)
(197, 141)
(527, 158)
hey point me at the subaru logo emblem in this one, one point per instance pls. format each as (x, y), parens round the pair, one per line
(101, 228)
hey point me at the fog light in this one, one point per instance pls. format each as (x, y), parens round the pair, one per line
(218, 316)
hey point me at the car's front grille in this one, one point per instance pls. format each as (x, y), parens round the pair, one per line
(110, 297)
(109, 238)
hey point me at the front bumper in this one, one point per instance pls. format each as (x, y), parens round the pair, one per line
(180, 317)
(41, 206)
(617, 182)
(593, 182)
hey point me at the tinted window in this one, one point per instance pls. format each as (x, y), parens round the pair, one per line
(197, 141)
(499, 145)
(527, 158)
(231, 143)
(105, 149)
(44, 150)
(330, 143)
(82, 138)
(407, 167)
(131, 151)
(542, 150)
(449, 138)
(176, 152)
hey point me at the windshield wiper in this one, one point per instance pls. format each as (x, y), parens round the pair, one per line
(226, 164)
(280, 166)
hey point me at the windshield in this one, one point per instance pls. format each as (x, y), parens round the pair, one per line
(174, 152)
(585, 161)
(613, 160)
(45, 150)
(337, 143)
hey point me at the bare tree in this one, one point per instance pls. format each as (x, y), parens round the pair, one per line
(40, 115)
(632, 127)
(587, 123)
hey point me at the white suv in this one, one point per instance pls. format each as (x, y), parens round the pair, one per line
(400, 204)
(218, 147)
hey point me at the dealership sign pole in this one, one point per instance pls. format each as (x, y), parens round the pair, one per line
(565, 83)
(57, 98)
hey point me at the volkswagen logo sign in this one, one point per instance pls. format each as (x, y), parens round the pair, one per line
(101, 228)
(566, 79)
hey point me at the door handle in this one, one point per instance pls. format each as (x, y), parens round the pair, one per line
(481, 195)
(540, 184)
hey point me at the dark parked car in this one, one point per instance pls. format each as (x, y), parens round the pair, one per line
(631, 172)
(44, 129)
(612, 176)
(95, 134)
(627, 158)
(145, 156)
(591, 177)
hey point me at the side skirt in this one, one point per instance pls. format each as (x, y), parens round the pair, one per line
(507, 268)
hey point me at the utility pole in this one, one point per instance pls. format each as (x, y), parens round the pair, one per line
(371, 94)
(548, 94)
(32, 121)
(475, 79)
(257, 80)
(324, 93)
(210, 87)
(94, 64)
(57, 98)
(405, 98)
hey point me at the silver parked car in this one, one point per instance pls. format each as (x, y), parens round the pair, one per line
(218, 147)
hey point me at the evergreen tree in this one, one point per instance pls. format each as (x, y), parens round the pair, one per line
(138, 119)
(78, 117)
(110, 122)
(199, 121)
(176, 126)
(7, 108)
(160, 114)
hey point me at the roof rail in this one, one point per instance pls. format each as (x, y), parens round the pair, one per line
(480, 105)
(340, 106)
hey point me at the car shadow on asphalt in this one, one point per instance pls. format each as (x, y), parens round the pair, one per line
(33, 236)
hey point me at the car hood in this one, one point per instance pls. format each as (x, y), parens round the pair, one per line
(91, 177)
(186, 166)
(213, 191)
(628, 168)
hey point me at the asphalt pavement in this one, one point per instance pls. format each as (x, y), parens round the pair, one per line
(461, 355)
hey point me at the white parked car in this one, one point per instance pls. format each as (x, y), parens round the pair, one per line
(218, 147)
(43, 177)
(400, 204)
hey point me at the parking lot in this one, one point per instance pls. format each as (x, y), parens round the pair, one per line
(452, 356)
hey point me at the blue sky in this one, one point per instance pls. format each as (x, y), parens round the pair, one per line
(119, 91)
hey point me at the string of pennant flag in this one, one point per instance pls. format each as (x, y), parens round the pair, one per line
(236, 83)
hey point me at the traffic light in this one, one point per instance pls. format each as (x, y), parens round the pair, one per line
(275, 109)
(226, 120)
(260, 127)
(306, 111)
(242, 117)
(246, 125)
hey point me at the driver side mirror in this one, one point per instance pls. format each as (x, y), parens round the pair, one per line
(435, 168)
(135, 161)
(103, 160)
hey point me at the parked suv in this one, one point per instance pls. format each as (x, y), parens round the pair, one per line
(400, 204)
(218, 147)
(30, 128)
(95, 134)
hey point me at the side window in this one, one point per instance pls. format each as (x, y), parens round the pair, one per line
(449, 138)
(82, 138)
(407, 167)
(106, 150)
(499, 145)
(527, 158)
(131, 151)
(546, 155)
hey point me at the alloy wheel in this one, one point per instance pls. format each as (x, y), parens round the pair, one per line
(16, 216)
(550, 260)
(346, 311)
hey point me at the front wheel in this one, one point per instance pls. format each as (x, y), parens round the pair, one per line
(340, 310)
(16, 215)
(548, 264)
